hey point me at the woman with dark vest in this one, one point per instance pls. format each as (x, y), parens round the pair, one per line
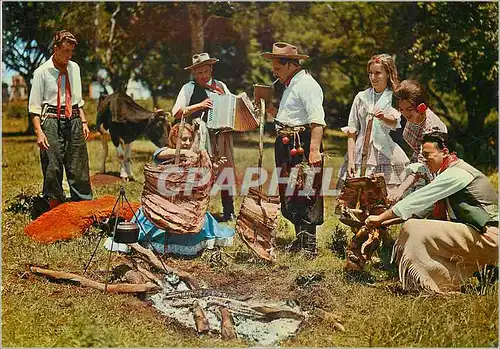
(193, 102)
(439, 254)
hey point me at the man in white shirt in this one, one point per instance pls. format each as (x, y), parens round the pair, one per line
(299, 121)
(439, 254)
(193, 103)
(55, 104)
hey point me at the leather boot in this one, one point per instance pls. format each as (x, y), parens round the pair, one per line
(309, 243)
(227, 207)
(298, 243)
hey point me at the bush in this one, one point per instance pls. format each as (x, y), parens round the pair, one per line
(17, 110)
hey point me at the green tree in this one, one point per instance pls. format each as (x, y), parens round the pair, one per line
(456, 52)
(27, 33)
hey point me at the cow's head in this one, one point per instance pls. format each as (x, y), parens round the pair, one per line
(158, 128)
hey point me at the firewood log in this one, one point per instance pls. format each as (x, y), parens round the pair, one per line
(227, 329)
(83, 281)
(185, 276)
(200, 320)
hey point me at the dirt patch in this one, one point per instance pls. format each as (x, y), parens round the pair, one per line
(103, 179)
(272, 284)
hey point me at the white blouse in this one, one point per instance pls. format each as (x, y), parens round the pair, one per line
(383, 150)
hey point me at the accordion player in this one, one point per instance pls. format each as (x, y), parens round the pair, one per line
(231, 113)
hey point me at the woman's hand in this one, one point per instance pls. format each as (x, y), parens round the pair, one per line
(191, 155)
(385, 117)
(351, 170)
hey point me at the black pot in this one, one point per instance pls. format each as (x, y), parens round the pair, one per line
(127, 232)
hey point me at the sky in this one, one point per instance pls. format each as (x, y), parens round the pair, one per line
(134, 87)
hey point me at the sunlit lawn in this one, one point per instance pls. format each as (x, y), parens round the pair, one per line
(40, 313)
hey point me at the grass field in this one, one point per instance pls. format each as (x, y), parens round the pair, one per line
(40, 313)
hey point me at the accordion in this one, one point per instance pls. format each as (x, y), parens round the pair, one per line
(231, 113)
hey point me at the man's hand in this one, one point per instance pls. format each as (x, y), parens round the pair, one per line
(373, 221)
(86, 131)
(315, 158)
(207, 104)
(42, 141)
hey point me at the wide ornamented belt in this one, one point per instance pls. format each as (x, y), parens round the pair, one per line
(285, 130)
(50, 111)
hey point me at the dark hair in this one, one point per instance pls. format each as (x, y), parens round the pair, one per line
(412, 91)
(285, 61)
(440, 139)
(62, 36)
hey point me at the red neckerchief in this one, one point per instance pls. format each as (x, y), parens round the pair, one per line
(67, 94)
(287, 82)
(439, 211)
(213, 86)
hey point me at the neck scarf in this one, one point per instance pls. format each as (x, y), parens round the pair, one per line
(381, 140)
(67, 94)
(439, 211)
(287, 82)
(213, 86)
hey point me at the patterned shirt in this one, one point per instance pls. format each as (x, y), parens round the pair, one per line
(413, 133)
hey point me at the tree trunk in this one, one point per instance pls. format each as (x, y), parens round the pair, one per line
(154, 96)
(27, 79)
(196, 26)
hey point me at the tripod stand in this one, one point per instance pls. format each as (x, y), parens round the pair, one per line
(122, 198)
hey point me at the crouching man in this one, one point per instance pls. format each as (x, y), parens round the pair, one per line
(440, 254)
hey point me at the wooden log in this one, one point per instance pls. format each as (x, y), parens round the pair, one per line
(83, 281)
(155, 261)
(200, 320)
(149, 275)
(227, 329)
(330, 317)
(272, 313)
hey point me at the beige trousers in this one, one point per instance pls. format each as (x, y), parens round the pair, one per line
(439, 255)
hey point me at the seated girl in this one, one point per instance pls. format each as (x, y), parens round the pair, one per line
(212, 234)
(421, 120)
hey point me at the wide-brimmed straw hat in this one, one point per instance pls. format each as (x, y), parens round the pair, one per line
(201, 59)
(283, 50)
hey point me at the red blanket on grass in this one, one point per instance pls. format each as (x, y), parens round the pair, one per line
(70, 220)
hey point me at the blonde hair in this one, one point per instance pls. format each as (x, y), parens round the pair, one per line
(174, 132)
(389, 66)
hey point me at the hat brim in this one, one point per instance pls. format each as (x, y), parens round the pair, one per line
(270, 55)
(208, 61)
